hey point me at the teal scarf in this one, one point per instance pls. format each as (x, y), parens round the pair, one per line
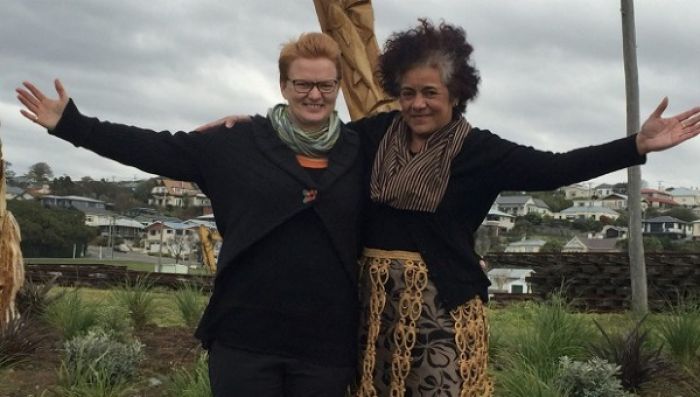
(312, 144)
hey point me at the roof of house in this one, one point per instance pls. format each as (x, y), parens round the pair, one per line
(492, 211)
(513, 199)
(589, 209)
(683, 191)
(527, 243)
(73, 198)
(604, 186)
(510, 273)
(14, 190)
(596, 244)
(614, 195)
(664, 200)
(664, 219)
(540, 203)
(97, 211)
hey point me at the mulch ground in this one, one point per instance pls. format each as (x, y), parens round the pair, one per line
(166, 349)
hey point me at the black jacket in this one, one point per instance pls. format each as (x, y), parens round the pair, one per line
(486, 166)
(252, 178)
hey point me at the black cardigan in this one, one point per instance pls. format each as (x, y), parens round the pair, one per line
(486, 165)
(252, 178)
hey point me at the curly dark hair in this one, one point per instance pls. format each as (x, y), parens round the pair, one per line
(444, 47)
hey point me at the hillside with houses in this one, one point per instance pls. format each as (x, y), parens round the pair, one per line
(161, 217)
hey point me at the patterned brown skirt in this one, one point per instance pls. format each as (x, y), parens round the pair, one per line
(410, 345)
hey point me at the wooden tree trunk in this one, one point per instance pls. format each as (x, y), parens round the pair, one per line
(634, 176)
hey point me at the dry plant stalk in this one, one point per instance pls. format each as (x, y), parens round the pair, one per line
(11, 263)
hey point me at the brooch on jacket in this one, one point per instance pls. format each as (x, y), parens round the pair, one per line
(309, 195)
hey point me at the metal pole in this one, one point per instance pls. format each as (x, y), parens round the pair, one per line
(638, 274)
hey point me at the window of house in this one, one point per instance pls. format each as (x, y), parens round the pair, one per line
(516, 289)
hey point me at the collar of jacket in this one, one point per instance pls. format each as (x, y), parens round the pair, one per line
(340, 159)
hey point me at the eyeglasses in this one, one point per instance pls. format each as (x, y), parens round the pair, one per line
(305, 86)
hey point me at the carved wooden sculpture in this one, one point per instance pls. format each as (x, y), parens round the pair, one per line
(11, 266)
(351, 24)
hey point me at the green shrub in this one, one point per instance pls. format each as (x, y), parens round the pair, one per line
(593, 378)
(522, 379)
(680, 331)
(115, 321)
(33, 298)
(192, 382)
(71, 315)
(138, 299)
(99, 358)
(190, 302)
(554, 332)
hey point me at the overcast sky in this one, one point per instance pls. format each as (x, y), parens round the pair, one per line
(552, 72)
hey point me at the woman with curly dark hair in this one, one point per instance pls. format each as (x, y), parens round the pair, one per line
(433, 179)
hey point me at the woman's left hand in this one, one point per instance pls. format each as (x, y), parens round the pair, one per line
(658, 133)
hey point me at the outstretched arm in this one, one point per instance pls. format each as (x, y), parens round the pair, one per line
(658, 133)
(173, 155)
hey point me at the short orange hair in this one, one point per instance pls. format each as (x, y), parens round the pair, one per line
(309, 45)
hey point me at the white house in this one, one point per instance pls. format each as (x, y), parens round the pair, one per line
(178, 239)
(696, 230)
(111, 223)
(499, 219)
(594, 213)
(576, 191)
(510, 281)
(522, 205)
(603, 190)
(688, 198)
(583, 244)
(524, 245)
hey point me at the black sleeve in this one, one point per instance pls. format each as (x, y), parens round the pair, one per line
(175, 156)
(372, 129)
(518, 167)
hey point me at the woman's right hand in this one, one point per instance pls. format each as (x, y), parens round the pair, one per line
(228, 121)
(40, 109)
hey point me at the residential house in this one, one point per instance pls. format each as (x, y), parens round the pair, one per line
(667, 226)
(502, 221)
(611, 231)
(696, 230)
(576, 191)
(77, 202)
(527, 246)
(174, 193)
(522, 205)
(603, 190)
(178, 239)
(688, 198)
(658, 199)
(584, 244)
(594, 212)
(17, 193)
(614, 201)
(512, 281)
(113, 224)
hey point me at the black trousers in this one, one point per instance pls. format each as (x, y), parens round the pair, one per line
(240, 373)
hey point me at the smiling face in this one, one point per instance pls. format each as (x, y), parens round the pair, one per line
(310, 111)
(425, 101)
